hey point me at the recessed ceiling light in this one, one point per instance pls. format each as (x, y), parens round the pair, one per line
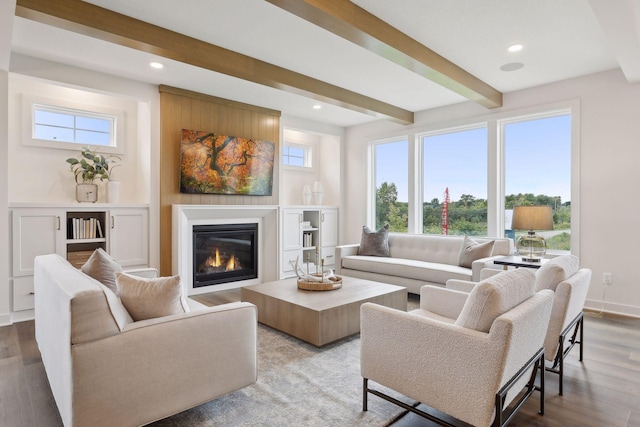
(515, 48)
(317, 107)
(512, 66)
(156, 65)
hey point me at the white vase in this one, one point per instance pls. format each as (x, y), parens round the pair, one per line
(113, 191)
(318, 192)
(306, 195)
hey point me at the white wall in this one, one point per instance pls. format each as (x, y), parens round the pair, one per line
(325, 141)
(47, 167)
(609, 152)
(4, 211)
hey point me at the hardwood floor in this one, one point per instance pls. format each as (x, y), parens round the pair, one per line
(604, 390)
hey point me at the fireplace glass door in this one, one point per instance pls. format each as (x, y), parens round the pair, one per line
(224, 253)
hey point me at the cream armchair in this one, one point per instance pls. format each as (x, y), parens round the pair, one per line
(570, 285)
(464, 355)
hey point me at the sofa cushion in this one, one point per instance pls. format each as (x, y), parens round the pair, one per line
(555, 271)
(495, 296)
(150, 298)
(102, 267)
(472, 250)
(409, 268)
(374, 243)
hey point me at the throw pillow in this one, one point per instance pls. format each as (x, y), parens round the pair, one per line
(102, 267)
(374, 243)
(495, 296)
(150, 298)
(554, 271)
(472, 250)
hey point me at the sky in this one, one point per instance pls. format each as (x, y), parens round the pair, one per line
(537, 158)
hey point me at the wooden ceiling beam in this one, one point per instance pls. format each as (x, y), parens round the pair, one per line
(355, 24)
(94, 21)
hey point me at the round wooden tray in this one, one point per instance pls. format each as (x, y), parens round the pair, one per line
(328, 285)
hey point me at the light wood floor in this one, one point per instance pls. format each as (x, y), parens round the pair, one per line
(602, 391)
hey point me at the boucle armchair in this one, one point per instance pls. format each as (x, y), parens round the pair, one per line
(465, 355)
(570, 285)
(105, 369)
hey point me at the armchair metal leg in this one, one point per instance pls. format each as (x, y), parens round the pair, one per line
(365, 388)
(577, 325)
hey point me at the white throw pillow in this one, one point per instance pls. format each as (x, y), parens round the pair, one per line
(150, 298)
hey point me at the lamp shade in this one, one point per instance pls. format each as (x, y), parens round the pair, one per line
(532, 218)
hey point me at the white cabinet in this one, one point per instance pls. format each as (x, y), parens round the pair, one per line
(129, 237)
(74, 232)
(309, 234)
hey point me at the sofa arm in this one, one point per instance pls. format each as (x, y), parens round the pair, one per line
(158, 367)
(345, 251)
(479, 264)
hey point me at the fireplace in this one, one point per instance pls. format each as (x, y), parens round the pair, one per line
(224, 253)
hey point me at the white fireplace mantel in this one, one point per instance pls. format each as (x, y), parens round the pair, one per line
(186, 216)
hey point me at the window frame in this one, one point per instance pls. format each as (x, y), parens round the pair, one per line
(307, 160)
(30, 103)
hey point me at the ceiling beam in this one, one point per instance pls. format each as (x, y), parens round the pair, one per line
(94, 21)
(355, 24)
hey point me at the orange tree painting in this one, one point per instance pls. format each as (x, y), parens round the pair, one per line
(221, 164)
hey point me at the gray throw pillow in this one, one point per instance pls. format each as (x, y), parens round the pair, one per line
(374, 243)
(472, 250)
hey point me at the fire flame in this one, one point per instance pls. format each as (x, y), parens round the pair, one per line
(231, 264)
(214, 261)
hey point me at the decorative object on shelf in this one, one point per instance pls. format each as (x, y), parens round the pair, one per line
(531, 246)
(306, 195)
(318, 192)
(113, 191)
(91, 166)
(325, 280)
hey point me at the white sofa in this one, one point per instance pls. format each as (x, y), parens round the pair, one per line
(417, 260)
(107, 370)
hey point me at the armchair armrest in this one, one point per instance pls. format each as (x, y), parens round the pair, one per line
(344, 251)
(460, 285)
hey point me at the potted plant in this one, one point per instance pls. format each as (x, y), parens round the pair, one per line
(91, 166)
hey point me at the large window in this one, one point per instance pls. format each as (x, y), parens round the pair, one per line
(537, 165)
(466, 180)
(391, 180)
(455, 182)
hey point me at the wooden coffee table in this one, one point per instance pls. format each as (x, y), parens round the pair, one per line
(320, 317)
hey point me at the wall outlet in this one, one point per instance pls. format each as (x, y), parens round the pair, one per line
(607, 278)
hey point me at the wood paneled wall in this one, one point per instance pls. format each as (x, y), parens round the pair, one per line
(182, 109)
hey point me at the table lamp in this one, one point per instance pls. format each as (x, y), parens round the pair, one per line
(531, 246)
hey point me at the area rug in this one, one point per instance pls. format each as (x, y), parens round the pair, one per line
(298, 384)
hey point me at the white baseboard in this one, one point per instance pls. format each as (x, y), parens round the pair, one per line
(608, 307)
(5, 319)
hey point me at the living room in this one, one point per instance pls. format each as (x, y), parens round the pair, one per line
(603, 107)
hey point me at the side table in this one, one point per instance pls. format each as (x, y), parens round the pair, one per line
(516, 261)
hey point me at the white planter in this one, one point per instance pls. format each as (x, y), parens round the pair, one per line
(113, 191)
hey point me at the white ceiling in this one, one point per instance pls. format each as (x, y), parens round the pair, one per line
(562, 39)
